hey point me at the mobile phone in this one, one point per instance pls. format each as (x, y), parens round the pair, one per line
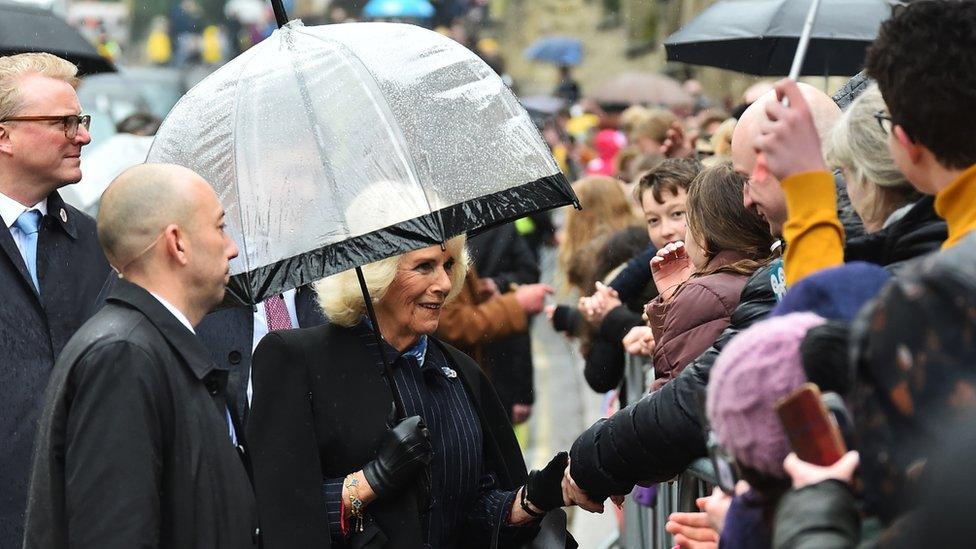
(811, 429)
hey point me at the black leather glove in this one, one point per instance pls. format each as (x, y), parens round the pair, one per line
(405, 450)
(544, 488)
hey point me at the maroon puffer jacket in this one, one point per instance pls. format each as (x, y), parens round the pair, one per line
(687, 324)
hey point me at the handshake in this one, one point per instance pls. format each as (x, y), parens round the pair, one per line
(553, 487)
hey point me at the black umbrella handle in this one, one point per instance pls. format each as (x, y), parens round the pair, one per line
(387, 369)
(424, 482)
(281, 17)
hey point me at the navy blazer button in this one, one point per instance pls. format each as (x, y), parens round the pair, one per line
(234, 357)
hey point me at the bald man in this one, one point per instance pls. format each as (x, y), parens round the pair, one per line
(763, 193)
(773, 197)
(136, 446)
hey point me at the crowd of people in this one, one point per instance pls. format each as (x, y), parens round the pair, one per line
(799, 238)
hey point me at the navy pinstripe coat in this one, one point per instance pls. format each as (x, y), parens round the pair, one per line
(320, 410)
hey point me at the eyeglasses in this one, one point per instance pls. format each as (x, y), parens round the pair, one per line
(884, 121)
(69, 122)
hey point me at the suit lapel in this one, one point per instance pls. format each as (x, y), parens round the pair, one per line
(17, 260)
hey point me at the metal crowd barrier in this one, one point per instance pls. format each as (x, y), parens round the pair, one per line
(643, 527)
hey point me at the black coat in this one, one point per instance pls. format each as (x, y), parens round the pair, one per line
(604, 366)
(228, 335)
(133, 446)
(320, 409)
(505, 256)
(920, 232)
(658, 436)
(33, 329)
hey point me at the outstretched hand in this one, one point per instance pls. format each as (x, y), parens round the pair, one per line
(574, 495)
(594, 308)
(532, 297)
(639, 341)
(671, 267)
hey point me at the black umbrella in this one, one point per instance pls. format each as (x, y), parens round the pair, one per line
(31, 29)
(761, 36)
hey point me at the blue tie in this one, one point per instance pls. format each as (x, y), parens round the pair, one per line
(28, 223)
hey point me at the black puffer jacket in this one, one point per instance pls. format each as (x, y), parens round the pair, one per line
(658, 436)
(918, 233)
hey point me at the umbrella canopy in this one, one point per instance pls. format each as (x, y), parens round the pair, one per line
(25, 28)
(414, 9)
(561, 50)
(631, 88)
(760, 36)
(331, 147)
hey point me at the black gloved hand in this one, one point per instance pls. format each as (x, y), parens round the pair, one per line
(544, 488)
(405, 450)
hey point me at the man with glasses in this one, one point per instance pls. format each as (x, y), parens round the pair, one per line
(51, 266)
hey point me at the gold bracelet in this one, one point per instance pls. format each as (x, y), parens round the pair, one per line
(355, 504)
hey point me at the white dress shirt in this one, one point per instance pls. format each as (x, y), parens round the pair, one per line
(10, 210)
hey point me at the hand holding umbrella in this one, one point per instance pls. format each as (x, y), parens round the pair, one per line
(788, 140)
(761, 171)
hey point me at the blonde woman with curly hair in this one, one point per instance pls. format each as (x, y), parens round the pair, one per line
(332, 463)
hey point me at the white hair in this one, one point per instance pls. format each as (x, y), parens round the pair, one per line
(857, 143)
(341, 297)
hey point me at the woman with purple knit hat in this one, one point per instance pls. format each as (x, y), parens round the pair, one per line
(757, 368)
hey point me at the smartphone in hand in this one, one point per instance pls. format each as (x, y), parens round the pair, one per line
(810, 427)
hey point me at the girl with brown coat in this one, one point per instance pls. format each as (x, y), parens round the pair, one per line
(700, 280)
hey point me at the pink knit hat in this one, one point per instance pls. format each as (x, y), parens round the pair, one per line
(755, 369)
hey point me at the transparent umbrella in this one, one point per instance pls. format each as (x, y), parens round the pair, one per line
(332, 147)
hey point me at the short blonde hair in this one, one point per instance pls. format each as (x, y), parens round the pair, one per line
(341, 298)
(14, 67)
